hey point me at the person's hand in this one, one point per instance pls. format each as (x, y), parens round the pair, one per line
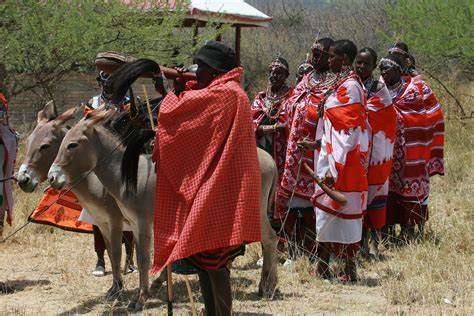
(179, 83)
(158, 82)
(265, 129)
(328, 179)
(307, 145)
(280, 127)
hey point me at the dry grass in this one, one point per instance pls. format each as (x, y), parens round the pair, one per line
(51, 268)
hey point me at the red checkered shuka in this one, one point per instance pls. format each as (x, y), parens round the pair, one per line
(208, 177)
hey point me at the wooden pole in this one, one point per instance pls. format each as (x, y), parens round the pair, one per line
(237, 43)
(195, 34)
(190, 293)
(169, 286)
(219, 35)
(150, 115)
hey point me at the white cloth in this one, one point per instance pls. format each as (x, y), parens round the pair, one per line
(86, 217)
(297, 202)
(330, 228)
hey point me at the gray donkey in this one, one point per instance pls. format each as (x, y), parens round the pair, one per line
(41, 150)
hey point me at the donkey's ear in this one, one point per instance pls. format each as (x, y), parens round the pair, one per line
(68, 115)
(99, 115)
(48, 113)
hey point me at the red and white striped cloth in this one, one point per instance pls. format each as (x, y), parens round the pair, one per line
(344, 153)
(382, 125)
(419, 144)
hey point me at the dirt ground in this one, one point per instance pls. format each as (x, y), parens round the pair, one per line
(51, 274)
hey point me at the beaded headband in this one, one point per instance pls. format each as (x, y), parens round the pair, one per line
(390, 62)
(397, 50)
(306, 63)
(278, 63)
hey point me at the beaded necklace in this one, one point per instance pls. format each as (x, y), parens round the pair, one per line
(332, 83)
(273, 101)
(369, 86)
(395, 89)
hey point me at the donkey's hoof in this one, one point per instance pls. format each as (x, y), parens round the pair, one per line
(115, 291)
(131, 306)
(113, 294)
(138, 304)
(267, 291)
(268, 294)
(135, 306)
(129, 268)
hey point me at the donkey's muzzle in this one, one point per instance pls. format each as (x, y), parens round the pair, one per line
(56, 177)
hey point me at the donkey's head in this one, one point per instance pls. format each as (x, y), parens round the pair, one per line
(43, 145)
(78, 151)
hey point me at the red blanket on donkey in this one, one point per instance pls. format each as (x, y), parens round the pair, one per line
(208, 178)
(62, 212)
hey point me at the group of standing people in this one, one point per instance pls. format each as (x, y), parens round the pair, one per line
(376, 141)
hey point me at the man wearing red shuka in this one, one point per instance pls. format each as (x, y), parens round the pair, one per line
(208, 177)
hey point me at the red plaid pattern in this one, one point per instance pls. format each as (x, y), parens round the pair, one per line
(208, 177)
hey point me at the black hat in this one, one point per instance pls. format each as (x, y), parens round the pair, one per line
(217, 56)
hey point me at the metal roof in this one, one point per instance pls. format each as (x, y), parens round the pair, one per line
(236, 12)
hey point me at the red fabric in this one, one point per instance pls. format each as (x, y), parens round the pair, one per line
(382, 119)
(418, 149)
(4, 100)
(279, 141)
(300, 230)
(341, 251)
(208, 177)
(303, 121)
(216, 259)
(344, 251)
(346, 139)
(62, 212)
(405, 213)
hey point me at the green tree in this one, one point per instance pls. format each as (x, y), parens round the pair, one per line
(439, 31)
(45, 40)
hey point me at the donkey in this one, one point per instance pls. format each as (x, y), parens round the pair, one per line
(97, 137)
(41, 150)
(88, 139)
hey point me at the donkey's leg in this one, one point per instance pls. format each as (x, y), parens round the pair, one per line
(117, 282)
(143, 239)
(268, 280)
(269, 241)
(114, 249)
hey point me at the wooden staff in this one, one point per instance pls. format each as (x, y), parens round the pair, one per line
(150, 115)
(337, 196)
(190, 293)
(169, 285)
